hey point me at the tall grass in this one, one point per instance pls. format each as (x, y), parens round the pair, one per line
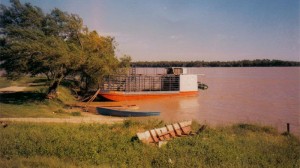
(116, 146)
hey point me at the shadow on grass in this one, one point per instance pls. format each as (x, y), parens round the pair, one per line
(69, 83)
(241, 128)
(40, 80)
(21, 97)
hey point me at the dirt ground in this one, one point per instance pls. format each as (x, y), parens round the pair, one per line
(85, 118)
(12, 89)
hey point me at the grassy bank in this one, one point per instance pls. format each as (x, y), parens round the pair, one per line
(31, 102)
(20, 82)
(88, 145)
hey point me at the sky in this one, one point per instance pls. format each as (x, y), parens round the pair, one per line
(191, 30)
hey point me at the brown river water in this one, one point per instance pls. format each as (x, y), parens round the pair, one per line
(266, 96)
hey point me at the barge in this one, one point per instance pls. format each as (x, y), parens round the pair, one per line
(176, 82)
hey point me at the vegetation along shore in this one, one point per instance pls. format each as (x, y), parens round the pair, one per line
(240, 63)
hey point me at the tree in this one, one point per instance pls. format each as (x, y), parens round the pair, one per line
(124, 64)
(99, 58)
(55, 44)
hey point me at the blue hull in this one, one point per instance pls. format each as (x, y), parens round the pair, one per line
(123, 113)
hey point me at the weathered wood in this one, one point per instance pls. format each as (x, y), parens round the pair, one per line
(92, 99)
(166, 133)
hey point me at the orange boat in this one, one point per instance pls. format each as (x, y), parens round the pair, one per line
(129, 96)
(136, 87)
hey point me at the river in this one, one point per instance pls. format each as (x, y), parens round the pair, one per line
(258, 95)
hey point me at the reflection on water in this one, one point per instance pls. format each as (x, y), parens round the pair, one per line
(268, 96)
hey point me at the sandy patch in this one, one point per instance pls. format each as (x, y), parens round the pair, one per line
(86, 119)
(13, 89)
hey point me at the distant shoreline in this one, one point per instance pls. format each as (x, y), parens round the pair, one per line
(240, 63)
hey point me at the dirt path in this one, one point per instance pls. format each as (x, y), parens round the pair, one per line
(13, 89)
(86, 118)
(64, 120)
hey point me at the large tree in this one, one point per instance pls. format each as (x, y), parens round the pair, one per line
(99, 58)
(55, 44)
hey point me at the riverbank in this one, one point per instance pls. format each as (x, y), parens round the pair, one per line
(91, 145)
(24, 100)
(57, 133)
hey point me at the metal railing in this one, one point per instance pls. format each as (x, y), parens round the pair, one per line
(138, 83)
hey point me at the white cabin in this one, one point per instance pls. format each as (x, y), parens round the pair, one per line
(188, 82)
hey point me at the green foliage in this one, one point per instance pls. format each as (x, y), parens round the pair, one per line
(124, 64)
(114, 146)
(55, 44)
(99, 59)
(125, 61)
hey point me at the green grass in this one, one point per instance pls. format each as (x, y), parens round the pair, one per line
(32, 102)
(4, 82)
(76, 113)
(88, 145)
(23, 81)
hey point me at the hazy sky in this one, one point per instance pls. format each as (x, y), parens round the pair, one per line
(185, 30)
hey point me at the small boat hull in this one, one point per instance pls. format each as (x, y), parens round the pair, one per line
(130, 96)
(166, 133)
(124, 113)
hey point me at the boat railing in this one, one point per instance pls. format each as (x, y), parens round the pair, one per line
(138, 83)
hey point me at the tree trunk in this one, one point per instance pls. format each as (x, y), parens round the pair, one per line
(52, 91)
(47, 75)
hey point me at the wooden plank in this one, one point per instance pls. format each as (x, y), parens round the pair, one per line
(185, 130)
(153, 135)
(166, 133)
(175, 127)
(171, 130)
(158, 135)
